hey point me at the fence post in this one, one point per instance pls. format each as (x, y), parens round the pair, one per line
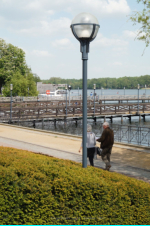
(19, 114)
(42, 123)
(129, 133)
(120, 132)
(138, 135)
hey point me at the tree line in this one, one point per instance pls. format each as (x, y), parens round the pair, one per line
(106, 83)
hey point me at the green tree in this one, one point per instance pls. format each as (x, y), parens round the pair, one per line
(12, 59)
(21, 85)
(36, 78)
(13, 69)
(143, 18)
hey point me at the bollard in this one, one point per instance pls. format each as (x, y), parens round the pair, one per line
(55, 123)
(94, 118)
(121, 119)
(111, 119)
(76, 122)
(33, 123)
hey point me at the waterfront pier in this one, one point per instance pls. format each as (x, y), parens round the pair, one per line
(55, 110)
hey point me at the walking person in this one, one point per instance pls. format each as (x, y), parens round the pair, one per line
(91, 142)
(107, 141)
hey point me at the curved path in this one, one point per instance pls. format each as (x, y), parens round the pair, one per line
(130, 160)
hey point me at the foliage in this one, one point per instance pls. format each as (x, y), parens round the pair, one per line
(13, 69)
(21, 85)
(106, 83)
(37, 189)
(36, 78)
(143, 18)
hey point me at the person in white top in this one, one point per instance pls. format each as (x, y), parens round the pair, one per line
(91, 142)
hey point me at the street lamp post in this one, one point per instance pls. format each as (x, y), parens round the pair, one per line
(124, 91)
(94, 98)
(85, 28)
(66, 88)
(69, 88)
(11, 88)
(2, 90)
(138, 98)
(145, 90)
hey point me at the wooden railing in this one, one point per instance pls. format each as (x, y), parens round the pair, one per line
(48, 111)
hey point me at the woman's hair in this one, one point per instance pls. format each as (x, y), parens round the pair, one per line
(89, 128)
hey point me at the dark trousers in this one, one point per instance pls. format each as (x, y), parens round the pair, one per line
(105, 155)
(90, 155)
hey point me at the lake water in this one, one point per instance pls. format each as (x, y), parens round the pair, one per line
(107, 92)
(70, 126)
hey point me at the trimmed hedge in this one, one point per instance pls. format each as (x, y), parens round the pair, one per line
(37, 189)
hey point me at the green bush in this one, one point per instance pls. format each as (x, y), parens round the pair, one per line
(37, 189)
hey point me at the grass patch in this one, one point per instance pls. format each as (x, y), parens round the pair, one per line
(37, 189)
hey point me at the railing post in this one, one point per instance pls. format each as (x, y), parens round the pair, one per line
(120, 132)
(42, 123)
(19, 113)
(138, 135)
(73, 110)
(128, 133)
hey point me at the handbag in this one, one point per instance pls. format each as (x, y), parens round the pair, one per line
(99, 151)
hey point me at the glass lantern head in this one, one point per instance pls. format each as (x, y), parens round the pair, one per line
(94, 86)
(85, 26)
(69, 87)
(138, 86)
(66, 87)
(11, 87)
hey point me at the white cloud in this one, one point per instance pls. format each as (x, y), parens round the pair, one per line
(129, 34)
(39, 53)
(117, 64)
(102, 41)
(59, 26)
(63, 43)
(133, 34)
(34, 17)
(99, 7)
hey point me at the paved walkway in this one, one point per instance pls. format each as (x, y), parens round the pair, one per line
(129, 160)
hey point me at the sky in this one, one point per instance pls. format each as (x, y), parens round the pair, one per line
(42, 29)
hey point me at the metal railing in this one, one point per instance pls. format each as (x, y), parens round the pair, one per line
(63, 97)
(130, 134)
